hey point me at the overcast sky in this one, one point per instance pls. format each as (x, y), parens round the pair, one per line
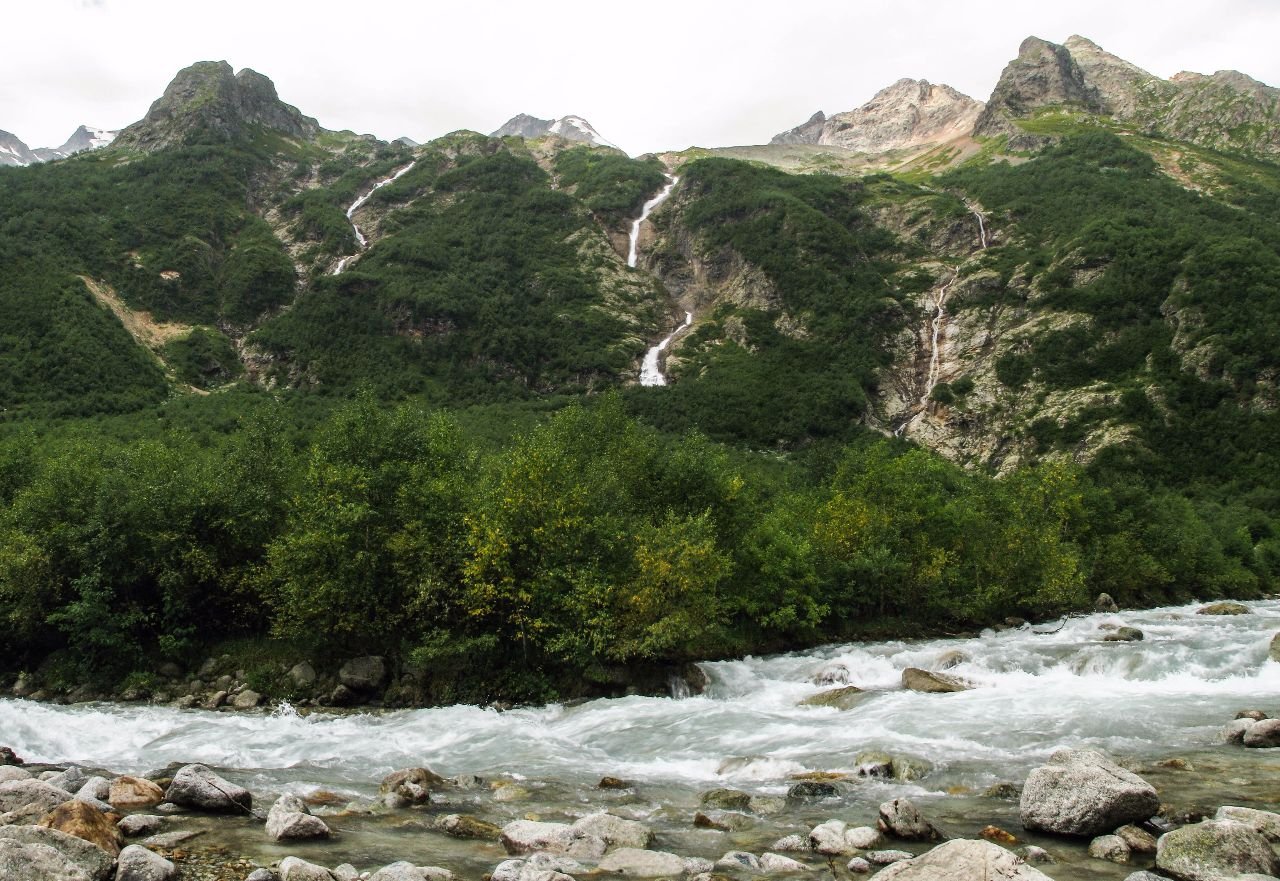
(651, 75)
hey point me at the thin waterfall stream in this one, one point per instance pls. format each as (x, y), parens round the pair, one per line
(650, 368)
(356, 205)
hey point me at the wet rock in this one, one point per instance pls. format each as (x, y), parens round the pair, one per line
(1265, 823)
(1255, 715)
(873, 763)
(27, 850)
(726, 799)
(886, 857)
(1104, 603)
(845, 698)
(812, 790)
(1274, 651)
(1036, 855)
(197, 787)
(70, 780)
(363, 675)
(739, 859)
(1083, 792)
(409, 786)
(963, 860)
(833, 673)
(538, 867)
(642, 863)
(724, 821)
(862, 837)
(246, 700)
(294, 869)
(85, 822)
(217, 699)
(615, 831)
(998, 835)
(1224, 609)
(1263, 735)
(915, 679)
(170, 840)
(290, 820)
(527, 836)
(859, 866)
(140, 824)
(12, 772)
(406, 871)
(464, 826)
(950, 659)
(1176, 764)
(94, 788)
(466, 781)
(1112, 848)
(1144, 875)
(828, 838)
(268, 875)
(1235, 730)
(139, 864)
(1140, 841)
(774, 863)
(1006, 791)
(1212, 849)
(792, 844)
(902, 819)
(766, 805)
(612, 783)
(133, 793)
(1124, 634)
(26, 801)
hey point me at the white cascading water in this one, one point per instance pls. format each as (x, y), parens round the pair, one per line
(650, 368)
(355, 206)
(935, 347)
(1168, 694)
(645, 211)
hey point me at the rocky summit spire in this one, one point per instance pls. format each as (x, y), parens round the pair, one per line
(570, 128)
(208, 98)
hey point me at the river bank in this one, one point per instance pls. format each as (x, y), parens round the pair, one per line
(1158, 705)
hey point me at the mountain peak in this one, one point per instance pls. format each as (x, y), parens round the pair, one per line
(209, 96)
(908, 113)
(570, 128)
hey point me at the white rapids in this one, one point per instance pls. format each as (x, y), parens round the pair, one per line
(356, 205)
(1170, 693)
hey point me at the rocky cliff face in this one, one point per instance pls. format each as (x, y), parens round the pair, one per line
(571, 128)
(1225, 111)
(208, 96)
(909, 113)
(14, 152)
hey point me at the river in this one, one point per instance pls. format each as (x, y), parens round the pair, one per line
(1167, 695)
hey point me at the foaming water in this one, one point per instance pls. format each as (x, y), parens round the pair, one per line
(1035, 691)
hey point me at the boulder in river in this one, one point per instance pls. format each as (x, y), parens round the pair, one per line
(616, 831)
(1124, 634)
(34, 851)
(302, 674)
(643, 863)
(132, 793)
(1224, 609)
(196, 786)
(902, 819)
(1235, 730)
(738, 860)
(290, 820)
(1263, 735)
(1105, 603)
(86, 822)
(1083, 792)
(26, 801)
(845, 698)
(538, 867)
(406, 871)
(527, 836)
(949, 659)
(1274, 651)
(776, 863)
(812, 790)
(1112, 848)
(136, 825)
(963, 860)
(722, 821)
(409, 786)
(1264, 822)
(139, 864)
(363, 675)
(1140, 841)
(13, 772)
(466, 826)
(726, 799)
(294, 869)
(915, 679)
(833, 673)
(1214, 849)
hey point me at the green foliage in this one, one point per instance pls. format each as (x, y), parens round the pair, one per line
(203, 358)
(613, 187)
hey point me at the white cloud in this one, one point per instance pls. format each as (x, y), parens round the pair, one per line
(650, 75)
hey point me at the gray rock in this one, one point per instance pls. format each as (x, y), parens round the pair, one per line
(13, 772)
(217, 699)
(1263, 735)
(1036, 855)
(949, 659)
(466, 826)
(845, 698)
(1083, 792)
(1212, 849)
(411, 785)
(963, 860)
(739, 859)
(1104, 603)
(1255, 715)
(246, 700)
(1227, 608)
(862, 837)
(140, 824)
(1264, 822)
(294, 869)
(345, 872)
(812, 790)
(1274, 651)
(303, 675)
(170, 840)
(29, 800)
(915, 679)
(726, 799)
(290, 820)
(859, 866)
(1235, 730)
(1112, 848)
(1124, 634)
(724, 821)
(833, 673)
(268, 875)
(766, 805)
(642, 863)
(139, 864)
(777, 863)
(1144, 875)
(70, 780)
(1140, 841)
(95, 788)
(615, 831)
(197, 787)
(886, 857)
(527, 836)
(50, 851)
(363, 675)
(902, 819)
(404, 871)
(828, 838)
(793, 844)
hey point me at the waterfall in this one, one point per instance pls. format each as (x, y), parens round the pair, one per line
(355, 206)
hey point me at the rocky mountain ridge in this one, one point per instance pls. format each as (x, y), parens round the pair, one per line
(570, 128)
(13, 152)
